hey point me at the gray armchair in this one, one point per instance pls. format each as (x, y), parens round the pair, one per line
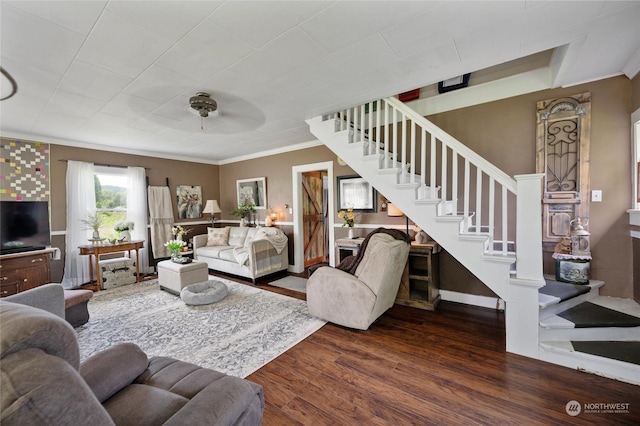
(49, 297)
(43, 382)
(68, 304)
(356, 301)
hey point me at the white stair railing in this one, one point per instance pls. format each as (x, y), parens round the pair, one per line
(497, 214)
(436, 163)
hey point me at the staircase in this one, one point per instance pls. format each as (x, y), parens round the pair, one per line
(489, 221)
(589, 332)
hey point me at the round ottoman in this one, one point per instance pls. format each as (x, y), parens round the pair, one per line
(204, 293)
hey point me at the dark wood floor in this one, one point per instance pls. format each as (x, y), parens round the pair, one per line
(447, 367)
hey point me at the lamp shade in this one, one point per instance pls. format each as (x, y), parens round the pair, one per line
(212, 207)
(392, 210)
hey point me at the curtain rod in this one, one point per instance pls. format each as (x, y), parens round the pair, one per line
(106, 165)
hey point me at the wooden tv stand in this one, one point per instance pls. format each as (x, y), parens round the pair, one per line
(26, 270)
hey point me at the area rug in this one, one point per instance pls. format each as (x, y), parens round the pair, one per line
(291, 283)
(236, 335)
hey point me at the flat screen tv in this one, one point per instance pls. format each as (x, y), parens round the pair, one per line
(24, 226)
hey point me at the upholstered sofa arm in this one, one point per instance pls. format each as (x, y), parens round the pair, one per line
(113, 369)
(199, 241)
(49, 297)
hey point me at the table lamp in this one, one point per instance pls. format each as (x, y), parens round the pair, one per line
(393, 211)
(212, 208)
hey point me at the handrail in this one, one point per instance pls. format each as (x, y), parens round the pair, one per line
(489, 168)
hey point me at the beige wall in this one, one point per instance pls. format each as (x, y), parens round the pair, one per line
(157, 170)
(635, 92)
(277, 170)
(504, 132)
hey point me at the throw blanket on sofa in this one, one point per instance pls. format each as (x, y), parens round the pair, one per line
(350, 263)
(275, 237)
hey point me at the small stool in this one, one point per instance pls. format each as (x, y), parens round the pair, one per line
(75, 306)
(117, 272)
(204, 293)
(173, 277)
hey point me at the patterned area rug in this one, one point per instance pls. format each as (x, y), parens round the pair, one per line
(236, 335)
(291, 283)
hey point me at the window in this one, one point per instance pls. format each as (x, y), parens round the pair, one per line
(111, 198)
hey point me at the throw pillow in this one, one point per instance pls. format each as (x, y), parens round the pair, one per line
(218, 236)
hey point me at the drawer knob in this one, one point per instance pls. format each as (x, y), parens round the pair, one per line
(36, 260)
(4, 278)
(25, 280)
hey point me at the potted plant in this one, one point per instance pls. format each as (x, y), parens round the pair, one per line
(94, 222)
(243, 211)
(179, 231)
(124, 229)
(348, 219)
(175, 247)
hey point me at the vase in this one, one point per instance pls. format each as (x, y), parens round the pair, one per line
(176, 255)
(179, 237)
(422, 237)
(125, 236)
(243, 222)
(96, 235)
(351, 233)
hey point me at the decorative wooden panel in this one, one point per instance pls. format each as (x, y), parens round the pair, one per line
(562, 154)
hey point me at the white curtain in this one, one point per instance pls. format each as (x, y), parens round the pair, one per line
(81, 201)
(137, 211)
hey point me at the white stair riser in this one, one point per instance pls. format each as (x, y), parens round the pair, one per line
(621, 334)
(625, 372)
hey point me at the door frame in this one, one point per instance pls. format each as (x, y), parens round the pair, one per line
(298, 243)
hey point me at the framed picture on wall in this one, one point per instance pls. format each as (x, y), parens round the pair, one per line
(252, 190)
(355, 192)
(189, 201)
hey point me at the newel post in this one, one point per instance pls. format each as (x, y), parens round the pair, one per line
(522, 309)
(529, 226)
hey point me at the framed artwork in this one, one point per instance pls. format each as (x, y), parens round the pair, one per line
(355, 192)
(189, 201)
(254, 191)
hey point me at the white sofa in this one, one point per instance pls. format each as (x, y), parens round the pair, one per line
(247, 252)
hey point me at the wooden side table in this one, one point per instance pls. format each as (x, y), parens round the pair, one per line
(420, 287)
(348, 247)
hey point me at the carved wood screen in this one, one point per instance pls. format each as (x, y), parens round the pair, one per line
(562, 154)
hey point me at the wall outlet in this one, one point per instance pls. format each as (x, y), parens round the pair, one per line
(596, 196)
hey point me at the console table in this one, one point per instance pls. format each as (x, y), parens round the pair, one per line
(95, 250)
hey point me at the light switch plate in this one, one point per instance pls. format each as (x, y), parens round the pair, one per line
(596, 196)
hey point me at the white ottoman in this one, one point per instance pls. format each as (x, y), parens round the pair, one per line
(173, 277)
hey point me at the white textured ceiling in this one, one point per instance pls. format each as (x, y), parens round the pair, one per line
(117, 75)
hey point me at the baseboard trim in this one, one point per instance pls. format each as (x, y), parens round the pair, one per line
(472, 299)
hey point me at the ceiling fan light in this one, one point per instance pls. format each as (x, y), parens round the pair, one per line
(203, 103)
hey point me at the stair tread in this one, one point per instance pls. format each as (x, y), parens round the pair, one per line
(621, 351)
(563, 291)
(589, 314)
